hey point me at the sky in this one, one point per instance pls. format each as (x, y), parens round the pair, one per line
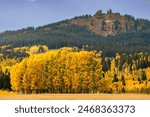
(17, 14)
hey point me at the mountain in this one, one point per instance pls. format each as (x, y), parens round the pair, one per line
(108, 32)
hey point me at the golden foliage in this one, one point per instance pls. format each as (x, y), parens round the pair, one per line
(69, 70)
(7, 93)
(58, 71)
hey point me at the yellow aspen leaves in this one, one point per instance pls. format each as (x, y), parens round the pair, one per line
(69, 70)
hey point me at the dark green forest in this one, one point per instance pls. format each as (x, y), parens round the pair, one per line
(65, 34)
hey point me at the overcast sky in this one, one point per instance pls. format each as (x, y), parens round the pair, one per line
(16, 14)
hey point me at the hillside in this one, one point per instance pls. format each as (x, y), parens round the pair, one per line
(123, 33)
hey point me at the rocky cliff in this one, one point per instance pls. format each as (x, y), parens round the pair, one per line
(110, 23)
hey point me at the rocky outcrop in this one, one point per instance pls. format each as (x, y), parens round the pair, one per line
(109, 23)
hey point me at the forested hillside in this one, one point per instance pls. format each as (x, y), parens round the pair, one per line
(124, 34)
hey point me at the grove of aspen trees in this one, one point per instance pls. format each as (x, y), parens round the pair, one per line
(70, 70)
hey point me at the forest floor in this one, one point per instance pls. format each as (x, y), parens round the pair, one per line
(77, 97)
